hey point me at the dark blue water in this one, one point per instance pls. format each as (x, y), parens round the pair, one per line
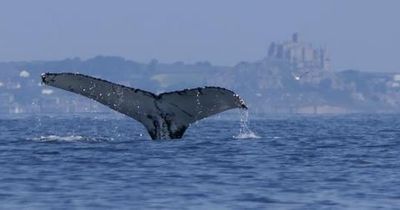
(299, 162)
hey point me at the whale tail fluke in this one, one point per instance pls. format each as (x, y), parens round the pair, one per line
(166, 115)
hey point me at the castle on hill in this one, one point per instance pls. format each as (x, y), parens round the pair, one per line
(303, 56)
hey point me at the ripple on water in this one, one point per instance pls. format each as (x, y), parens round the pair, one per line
(297, 162)
(71, 138)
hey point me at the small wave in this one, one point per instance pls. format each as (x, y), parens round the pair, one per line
(247, 135)
(63, 138)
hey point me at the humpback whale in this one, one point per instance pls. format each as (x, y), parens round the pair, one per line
(165, 116)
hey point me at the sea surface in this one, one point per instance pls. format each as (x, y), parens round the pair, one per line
(280, 162)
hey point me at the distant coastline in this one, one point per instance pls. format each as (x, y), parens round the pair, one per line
(293, 77)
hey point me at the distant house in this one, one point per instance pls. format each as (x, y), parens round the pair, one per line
(301, 54)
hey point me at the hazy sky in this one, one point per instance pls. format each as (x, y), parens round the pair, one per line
(360, 34)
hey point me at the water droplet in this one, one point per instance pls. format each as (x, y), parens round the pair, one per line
(245, 132)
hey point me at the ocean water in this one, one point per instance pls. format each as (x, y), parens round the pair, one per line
(277, 162)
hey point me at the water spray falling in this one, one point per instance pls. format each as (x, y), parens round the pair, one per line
(245, 132)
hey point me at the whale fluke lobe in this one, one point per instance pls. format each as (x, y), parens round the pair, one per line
(165, 116)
